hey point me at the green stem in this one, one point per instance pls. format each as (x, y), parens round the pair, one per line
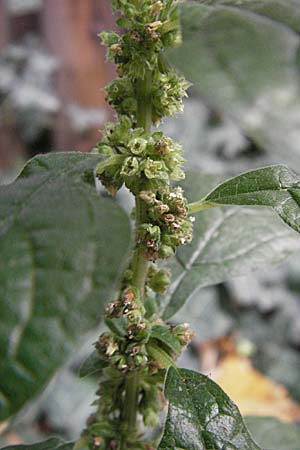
(132, 389)
(201, 205)
(144, 110)
(139, 262)
(144, 120)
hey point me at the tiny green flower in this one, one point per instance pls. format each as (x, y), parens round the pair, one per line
(154, 169)
(130, 167)
(137, 145)
(109, 38)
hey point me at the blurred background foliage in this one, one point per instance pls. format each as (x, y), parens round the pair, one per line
(52, 69)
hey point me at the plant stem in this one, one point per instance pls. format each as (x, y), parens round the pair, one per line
(144, 112)
(144, 120)
(201, 205)
(139, 262)
(132, 387)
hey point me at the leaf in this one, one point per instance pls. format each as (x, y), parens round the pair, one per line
(201, 416)
(275, 186)
(56, 269)
(244, 59)
(272, 434)
(162, 359)
(286, 12)
(93, 364)
(227, 242)
(254, 393)
(117, 326)
(164, 335)
(50, 444)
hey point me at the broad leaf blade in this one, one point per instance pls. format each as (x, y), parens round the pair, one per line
(246, 65)
(56, 269)
(50, 444)
(201, 416)
(228, 242)
(286, 12)
(275, 186)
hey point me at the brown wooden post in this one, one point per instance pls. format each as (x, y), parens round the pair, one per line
(10, 144)
(69, 31)
(3, 24)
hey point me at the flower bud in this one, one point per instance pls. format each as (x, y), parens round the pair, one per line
(105, 149)
(158, 281)
(168, 218)
(148, 197)
(114, 310)
(140, 360)
(160, 208)
(138, 332)
(156, 8)
(128, 297)
(134, 317)
(149, 235)
(109, 38)
(177, 174)
(107, 344)
(166, 251)
(162, 147)
(152, 30)
(184, 333)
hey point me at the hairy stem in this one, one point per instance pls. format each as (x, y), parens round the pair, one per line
(139, 262)
(143, 88)
(144, 113)
(131, 400)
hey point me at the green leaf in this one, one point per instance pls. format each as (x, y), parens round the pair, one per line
(286, 12)
(56, 269)
(227, 242)
(93, 364)
(275, 186)
(50, 444)
(160, 356)
(117, 326)
(270, 433)
(164, 335)
(201, 416)
(244, 60)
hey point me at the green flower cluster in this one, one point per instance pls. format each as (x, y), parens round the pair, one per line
(168, 227)
(139, 347)
(167, 92)
(103, 427)
(152, 26)
(158, 280)
(141, 160)
(144, 344)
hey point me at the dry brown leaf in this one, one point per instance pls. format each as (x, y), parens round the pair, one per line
(3, 426)
(254, 393)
